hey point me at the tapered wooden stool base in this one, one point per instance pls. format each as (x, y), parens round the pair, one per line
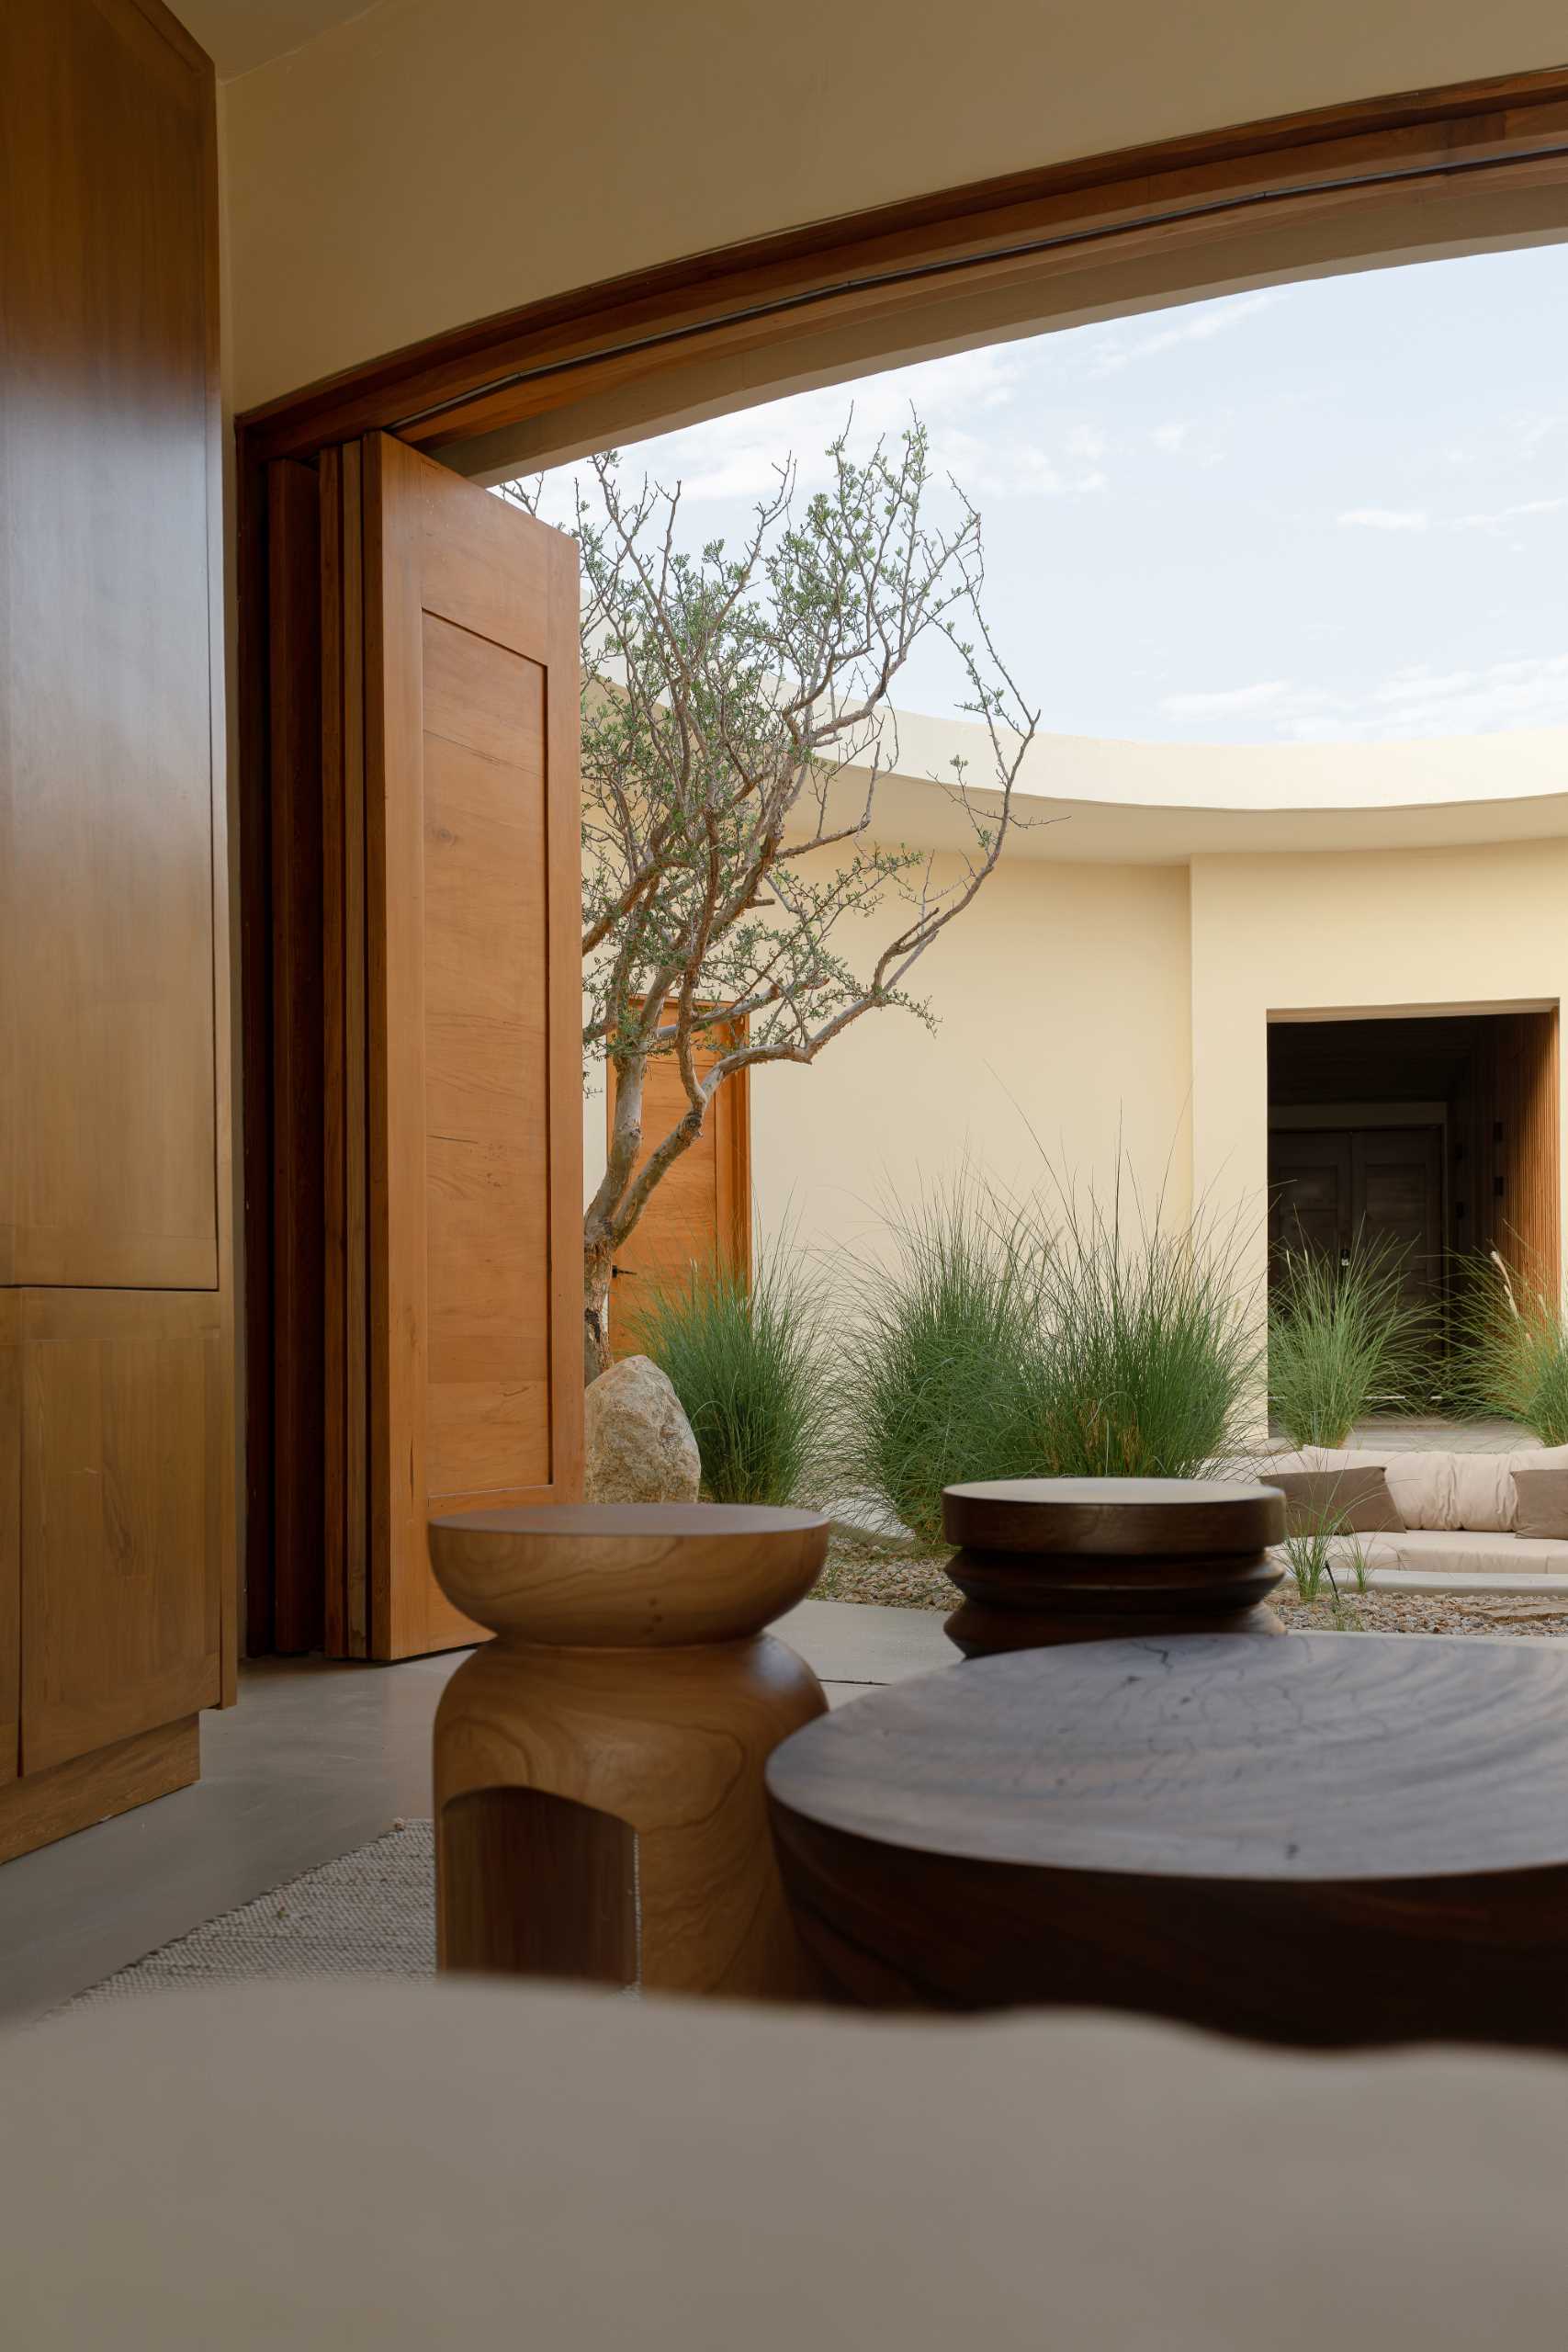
(600, 1810)
(1051, 1560)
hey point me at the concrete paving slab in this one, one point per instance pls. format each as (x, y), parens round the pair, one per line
(854, 1641)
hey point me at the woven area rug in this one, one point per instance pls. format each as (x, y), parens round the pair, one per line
(371, 1913)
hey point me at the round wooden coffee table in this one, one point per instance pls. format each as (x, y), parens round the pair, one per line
(1323, 1839)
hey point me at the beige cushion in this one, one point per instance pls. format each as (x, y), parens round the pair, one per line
(1486, 1498)
(1541, 1501)
(1373, 1552)
(467, 2165)
(1432, 1489)
(1422, 1485)
(1348, 1502)
(1457, 1551)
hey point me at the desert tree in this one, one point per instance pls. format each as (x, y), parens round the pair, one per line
(741, 904)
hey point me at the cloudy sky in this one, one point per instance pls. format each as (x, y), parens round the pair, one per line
(1337, 511)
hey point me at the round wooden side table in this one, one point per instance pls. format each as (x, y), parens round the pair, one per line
(599, 1801)
(1325, 1839)
(1048, 1560)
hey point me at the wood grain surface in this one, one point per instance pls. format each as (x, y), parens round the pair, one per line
(637, 1575)
(1049, 1560)
(599, 1794)
(473, 1006)
(1161, 1518)
(1315, 1841)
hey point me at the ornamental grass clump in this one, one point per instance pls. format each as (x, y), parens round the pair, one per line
(746, 1358)
(1146, 1360)
(1510, 1353)
(1061, 1335)
(938, 1366)
(1344, 1342)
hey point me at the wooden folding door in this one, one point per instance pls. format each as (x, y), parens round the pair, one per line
(452, 1028)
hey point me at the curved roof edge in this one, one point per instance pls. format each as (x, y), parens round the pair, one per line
(1254, 778)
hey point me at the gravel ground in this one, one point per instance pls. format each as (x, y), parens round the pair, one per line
(867, 1568)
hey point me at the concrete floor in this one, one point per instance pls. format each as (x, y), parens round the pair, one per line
(316, 1759)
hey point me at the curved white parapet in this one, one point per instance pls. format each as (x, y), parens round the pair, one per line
(1087, 798)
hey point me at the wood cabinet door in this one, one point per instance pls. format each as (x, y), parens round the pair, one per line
(473, 906)
(111, 852)
(123, 1439)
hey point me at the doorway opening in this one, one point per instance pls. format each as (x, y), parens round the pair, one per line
(1345, 186)
(1434, 1134)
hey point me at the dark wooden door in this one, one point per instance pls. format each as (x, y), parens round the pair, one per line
(1309, 1193)
(1384, 1184)
(1396, 1198)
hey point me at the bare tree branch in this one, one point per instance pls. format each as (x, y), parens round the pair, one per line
(731, 699)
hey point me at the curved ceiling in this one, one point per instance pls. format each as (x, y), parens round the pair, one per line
(238, 35)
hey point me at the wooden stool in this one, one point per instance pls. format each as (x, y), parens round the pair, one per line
(599, 1799)
(1049, 1560)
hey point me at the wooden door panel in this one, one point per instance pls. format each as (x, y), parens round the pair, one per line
(487, 1128)
(121, 1501)
(472, 897)
(702, 1209)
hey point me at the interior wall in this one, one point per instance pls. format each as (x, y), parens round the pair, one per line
(1475, 930)
(1062, 1001)
(400, 175)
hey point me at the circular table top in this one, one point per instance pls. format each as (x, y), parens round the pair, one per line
(618, 1522)
(644, 1575)
(1316, 1758)
(1169, 1518)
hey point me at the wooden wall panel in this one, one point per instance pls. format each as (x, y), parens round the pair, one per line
(107, 235)
(123, 1407)
(10, 1541)
(1520, 1121)
(118, 1595)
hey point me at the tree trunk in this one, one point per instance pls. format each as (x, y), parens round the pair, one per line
(597, 1260)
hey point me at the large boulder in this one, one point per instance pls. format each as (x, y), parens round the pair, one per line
(638, 1442)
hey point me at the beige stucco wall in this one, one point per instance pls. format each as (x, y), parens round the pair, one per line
(1472, 930)
(431, 162)
(1063, 1005)
(1088, 1002)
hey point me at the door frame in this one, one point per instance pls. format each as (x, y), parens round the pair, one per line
(1483, 163)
